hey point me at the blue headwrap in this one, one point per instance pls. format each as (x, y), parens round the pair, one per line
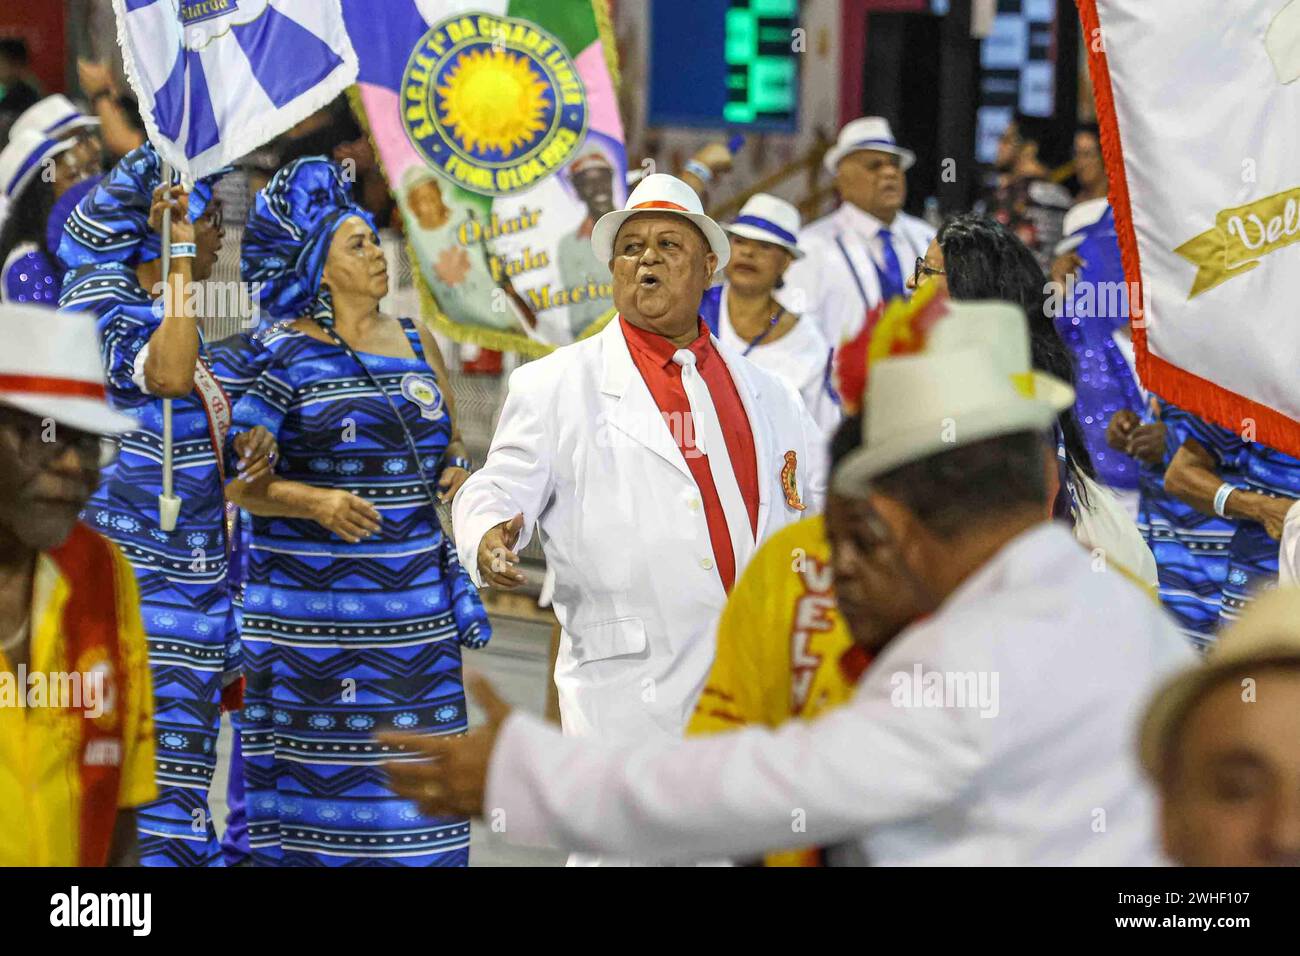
(111, 224)
(288, 234)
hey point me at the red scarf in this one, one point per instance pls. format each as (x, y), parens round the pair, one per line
(90, 630)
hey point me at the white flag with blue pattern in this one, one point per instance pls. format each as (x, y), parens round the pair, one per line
(217, 79)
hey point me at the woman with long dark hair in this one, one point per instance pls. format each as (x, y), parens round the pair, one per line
(977, 258)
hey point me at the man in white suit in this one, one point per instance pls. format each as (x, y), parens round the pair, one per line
(861, 254)
(653, 460)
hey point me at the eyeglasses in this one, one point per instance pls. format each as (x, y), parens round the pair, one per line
(922, 270)
(41, 441)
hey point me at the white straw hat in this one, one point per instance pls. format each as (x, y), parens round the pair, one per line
(869, 132)
(972, 382)
(50, 367)
(769, 219)
(660, 192)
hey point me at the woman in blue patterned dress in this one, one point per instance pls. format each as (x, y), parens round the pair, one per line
(355, 607)
(150, 353)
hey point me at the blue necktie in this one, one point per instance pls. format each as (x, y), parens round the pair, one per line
(891, 279)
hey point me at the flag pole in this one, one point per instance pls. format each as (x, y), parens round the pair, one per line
(169, 506)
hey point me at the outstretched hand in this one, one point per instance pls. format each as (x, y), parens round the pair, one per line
(450, 778)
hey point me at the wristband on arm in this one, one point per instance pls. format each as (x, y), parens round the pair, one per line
(698, 169)
(1221, 498)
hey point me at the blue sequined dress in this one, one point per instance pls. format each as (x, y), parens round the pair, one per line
(346, 640)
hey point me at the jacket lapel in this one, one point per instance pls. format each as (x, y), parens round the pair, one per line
(629, 407)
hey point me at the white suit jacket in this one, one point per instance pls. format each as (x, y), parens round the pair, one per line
(1041, 769)
(822, 284)
(584, 453)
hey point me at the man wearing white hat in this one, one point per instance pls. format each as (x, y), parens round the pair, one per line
(744, 313)
(994, 727)
(72, 771)
(653, 459)
(861, 254)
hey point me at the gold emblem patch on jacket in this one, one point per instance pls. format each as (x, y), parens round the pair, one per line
(788, 482)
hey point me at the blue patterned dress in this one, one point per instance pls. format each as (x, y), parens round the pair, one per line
(188, 617)
(1252, 565)
(1191, 549)
(346, 640)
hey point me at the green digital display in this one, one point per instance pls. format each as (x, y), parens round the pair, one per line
(761, 52)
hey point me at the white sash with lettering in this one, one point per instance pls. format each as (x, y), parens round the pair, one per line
(216, 403)
(710, 442)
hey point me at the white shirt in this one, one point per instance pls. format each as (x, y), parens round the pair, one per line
(1050, 777)
(824, 285)
(798, 358)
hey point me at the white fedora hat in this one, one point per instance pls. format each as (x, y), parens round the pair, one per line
(50, 367)
(869, 132)
(21, 160)
(1003, 327)
(1078, 220)
(54, 117)
(660, 192)
(972, 382)
(769, 219)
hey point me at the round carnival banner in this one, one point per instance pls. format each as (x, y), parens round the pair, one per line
(497, 127)
(493, 103)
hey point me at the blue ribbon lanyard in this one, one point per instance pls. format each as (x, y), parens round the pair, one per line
(758, 339)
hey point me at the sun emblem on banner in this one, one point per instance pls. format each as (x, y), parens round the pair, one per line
(493, 103)
(493, 100)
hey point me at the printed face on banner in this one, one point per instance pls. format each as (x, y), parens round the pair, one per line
(504, 147)
(493, 103)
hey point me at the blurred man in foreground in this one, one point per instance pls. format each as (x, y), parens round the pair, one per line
(1222, 743)
(76, 704)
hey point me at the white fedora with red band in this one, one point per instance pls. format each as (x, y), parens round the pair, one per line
(659, 192)
(50, 367)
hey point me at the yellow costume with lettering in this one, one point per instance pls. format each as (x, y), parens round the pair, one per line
(783, 650)
(43, 757)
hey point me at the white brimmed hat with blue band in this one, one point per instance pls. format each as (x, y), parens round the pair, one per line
(53, 117)
(869, 132)
(973, 381)
(21, 160)
(769, 219)
(660, 192)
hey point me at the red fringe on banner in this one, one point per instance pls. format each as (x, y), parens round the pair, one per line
(1198, 395)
